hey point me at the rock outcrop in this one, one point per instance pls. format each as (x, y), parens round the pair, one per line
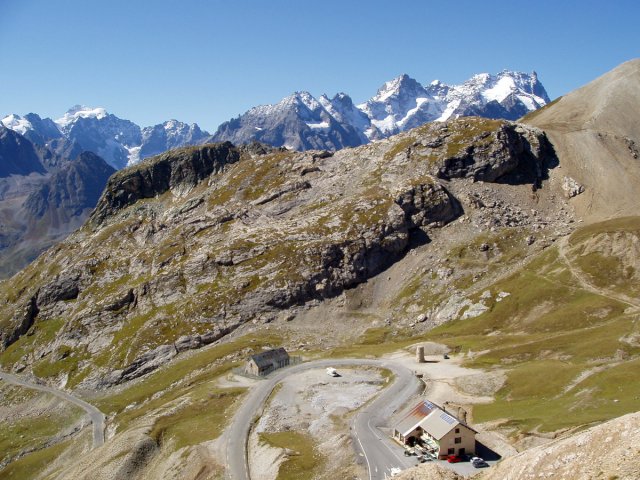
(182, 169)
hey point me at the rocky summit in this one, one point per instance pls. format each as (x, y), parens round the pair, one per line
(185, 247)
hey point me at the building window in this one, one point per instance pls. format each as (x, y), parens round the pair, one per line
(457, 430)
(457, 440)
(451, 451)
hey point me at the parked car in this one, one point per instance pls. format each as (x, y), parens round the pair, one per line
(478, 462)
(453, 459)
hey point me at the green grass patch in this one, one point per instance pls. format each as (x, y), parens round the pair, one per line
(30, 465)
(544, 335)
(41, 333)
(305, 462)
(33, 431)
(534, 397)
(203, 419)
(616, 225)
(374, 342)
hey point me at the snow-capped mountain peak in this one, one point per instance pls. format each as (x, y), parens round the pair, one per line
(118, 141)
(400, 104)
(300, 121)
(16, 123)
(80, 111)
(402, 85)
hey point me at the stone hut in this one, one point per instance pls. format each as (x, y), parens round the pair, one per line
(266, 362)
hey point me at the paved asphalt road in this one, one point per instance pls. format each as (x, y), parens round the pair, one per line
(96, 416)
(379, 453)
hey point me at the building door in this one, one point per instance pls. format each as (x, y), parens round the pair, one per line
(461, 451)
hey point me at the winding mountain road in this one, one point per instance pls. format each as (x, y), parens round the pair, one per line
(96, 416)
(379, 453)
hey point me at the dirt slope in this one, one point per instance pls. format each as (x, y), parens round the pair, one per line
(607, 451)
(597, 139)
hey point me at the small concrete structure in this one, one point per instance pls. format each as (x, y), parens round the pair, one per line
(266, 362)
(420, 354)
(437, 431)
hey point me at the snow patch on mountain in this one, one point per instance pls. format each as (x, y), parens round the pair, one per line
(80, 111)
(17, 123)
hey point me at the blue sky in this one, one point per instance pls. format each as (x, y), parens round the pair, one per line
(206, 61)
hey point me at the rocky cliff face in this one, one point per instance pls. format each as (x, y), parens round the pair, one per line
(177, 171)
(187, 246)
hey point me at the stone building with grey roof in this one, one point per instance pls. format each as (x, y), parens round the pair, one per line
(264, 363)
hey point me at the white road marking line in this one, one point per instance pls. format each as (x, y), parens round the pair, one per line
(383, 442)
(366, 458)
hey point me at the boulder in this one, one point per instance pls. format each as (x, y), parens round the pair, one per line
(64, 287)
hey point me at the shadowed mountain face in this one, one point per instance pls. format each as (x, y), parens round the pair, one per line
(18, 156)
(43, 196)
(70, 191)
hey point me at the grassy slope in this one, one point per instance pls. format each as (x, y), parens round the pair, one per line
(27, 430)
(563, 348)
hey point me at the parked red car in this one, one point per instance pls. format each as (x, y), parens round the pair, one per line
(453, 459)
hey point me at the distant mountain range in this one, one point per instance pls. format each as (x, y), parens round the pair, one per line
(302, 122)
(298, 122)
(119, 142)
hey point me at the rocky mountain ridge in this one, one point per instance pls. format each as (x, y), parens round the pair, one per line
(278, 228)
(301, 122)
